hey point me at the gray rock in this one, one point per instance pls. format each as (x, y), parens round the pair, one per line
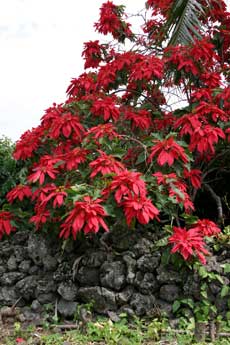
(130, 268)
(213, 265)
(142, 247)
(103, 299)
(46, 298)
(87, 276)
(11, 278)
(45, 285)
(36, 306)
(167, 275)
(124, 296)
(165, 307)
(170, 292)
(112, 275)
(2, 270)
(94, 259)
(8, 296)
(5, 249)
(191, 287)
(30, 315)
(63, 272)
(113, 316)
(67, 308)
(33, 270)
(38, 249)
(20, 253)
(148, 262)
(67, 290)
(24, 266)
(12, 263)
(146, 282)
(142, 303)
(127, 310)
(27, 287)
(50, 263)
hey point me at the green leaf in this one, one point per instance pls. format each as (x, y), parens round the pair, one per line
(176, 306)
(226, 268)
(224, 291)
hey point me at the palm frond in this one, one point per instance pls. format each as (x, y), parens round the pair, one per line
(183, 24)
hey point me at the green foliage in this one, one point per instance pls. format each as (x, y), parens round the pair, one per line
(9, 168)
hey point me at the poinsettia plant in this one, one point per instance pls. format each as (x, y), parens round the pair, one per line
(139, 133)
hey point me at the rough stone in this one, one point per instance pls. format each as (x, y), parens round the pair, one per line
(130, 268)
(142, 247)
(63, 272)
(148, 263)
(167, 275)
(124, 296)
(67, 308)
(12, 263)
(87, 276)
(103, 299)
(2, 270)
(46, 298)
(38, 249)
(142, 303)
(50, 263)
(112, 275)
(36, 306)
(45, 285)
(67, 290)
(27, 287)
(20, 253)
(94, 259)
(11, 278)
(146, 282)
(170, 292)
(24, 266)
(8, 295)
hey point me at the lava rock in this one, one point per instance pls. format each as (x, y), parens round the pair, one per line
(170, 292)
(103, 299)
(142, 303)
(67, 290)
(66, 308)
(112, 275)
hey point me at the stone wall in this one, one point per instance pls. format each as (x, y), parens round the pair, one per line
(121, 272)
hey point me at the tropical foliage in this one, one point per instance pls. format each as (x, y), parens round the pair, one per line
(143, 129)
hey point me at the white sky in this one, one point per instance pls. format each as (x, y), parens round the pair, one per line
(40, 51)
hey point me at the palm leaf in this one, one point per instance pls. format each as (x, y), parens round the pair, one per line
(183, 24)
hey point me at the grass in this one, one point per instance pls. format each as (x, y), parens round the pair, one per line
(103, 331)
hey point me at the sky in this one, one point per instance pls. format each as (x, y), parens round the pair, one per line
(41, 44)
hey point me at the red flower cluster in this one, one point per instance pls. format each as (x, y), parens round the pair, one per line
(19, 192)
(188, 243)
(5, 223)
(111, 21)
(105, 164)
(107, 108)
(140, 208)
(92, 54)
(167, 150)
(87, 215)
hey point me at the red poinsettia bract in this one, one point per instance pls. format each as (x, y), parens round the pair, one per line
(44, 168)
(126, 184)
(105, 164)
(19, 192)
(206, 227)
(5, 223)
(87, 215)
(167, 151)
(188, 243)
(139, 207)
